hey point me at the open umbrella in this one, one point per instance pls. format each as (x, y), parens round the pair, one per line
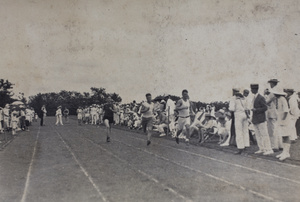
(18, 102)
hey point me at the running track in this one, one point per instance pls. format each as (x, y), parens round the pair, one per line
(74, 163)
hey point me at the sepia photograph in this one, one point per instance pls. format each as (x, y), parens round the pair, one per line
(149, 100)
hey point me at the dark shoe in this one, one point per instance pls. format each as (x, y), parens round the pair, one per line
(275, 150)
(148, 142)
(177, 140)
(239, 152)
(108, 139)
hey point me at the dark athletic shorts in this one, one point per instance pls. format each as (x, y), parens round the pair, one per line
(147, 123)
(109, 118)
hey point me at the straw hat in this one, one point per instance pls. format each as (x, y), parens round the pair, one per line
(277, 91)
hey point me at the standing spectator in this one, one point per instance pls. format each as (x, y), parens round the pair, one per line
(117, 114)
(94, 114)
(276, 142)
(283, 122)
(22, 118)
(79, 115)
(232, 129)
(58, 115)
(1, 120)
(6, 117)
(14, 121)
(259, 122)
(28, 114)
(294, 112)
(241, 123)
(298, 120)
(43, 114)
(66, 114)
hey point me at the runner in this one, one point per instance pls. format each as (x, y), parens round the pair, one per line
(108, 118)
(147, 111)
(183, 107)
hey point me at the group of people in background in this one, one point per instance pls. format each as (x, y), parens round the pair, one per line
(270, 120)
(16, 118)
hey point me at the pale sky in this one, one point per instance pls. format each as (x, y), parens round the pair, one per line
(132, 47)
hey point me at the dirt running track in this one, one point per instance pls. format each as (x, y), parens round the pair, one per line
(74, 163)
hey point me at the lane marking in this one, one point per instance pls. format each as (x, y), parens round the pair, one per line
(150, 177)
(257, 157)
(201, 172)
(225, 162)
(25, 192)
(82, 168)
(141, 172)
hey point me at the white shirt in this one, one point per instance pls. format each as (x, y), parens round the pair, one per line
(149, 113)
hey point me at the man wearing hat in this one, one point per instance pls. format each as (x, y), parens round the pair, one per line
(79, 115)
(58, 115)
(298, 120)
(259, 122)
(237, 106)
(294, 112)
(276, 142)
(283, 122)
(232, 128)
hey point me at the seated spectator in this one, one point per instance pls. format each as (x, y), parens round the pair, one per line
(206, 126)
(161, 123)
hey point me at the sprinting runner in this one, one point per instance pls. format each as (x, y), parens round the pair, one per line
(108, 118)
(147, 111)
(184, 109)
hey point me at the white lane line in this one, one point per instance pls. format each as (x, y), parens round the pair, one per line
(82, 168)
(25, 192)
(225, 162)
(201, 172)
(139, 171)
(256, 157)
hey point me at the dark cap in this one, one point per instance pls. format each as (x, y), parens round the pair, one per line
(273, 81)
(289, 90)
(235, 90)
(254, 86)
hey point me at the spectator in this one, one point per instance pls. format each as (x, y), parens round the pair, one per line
(66, 114)
(58, 115)
(283, 122)
(294, 112)
(43, 113)
(241, 123)
(276, 141)
(259, 122)
(162, 123)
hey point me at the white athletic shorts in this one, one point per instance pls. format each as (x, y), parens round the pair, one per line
(183, 122)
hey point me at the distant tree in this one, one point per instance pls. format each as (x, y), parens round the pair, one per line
(70, 99)
(6, 92)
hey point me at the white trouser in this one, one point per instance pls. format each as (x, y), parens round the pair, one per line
(116, 118)
(293, 135)
(94, 118)
(262, 137)
(161, 127)
(274, 138)
(59, 119)
(241, 130)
